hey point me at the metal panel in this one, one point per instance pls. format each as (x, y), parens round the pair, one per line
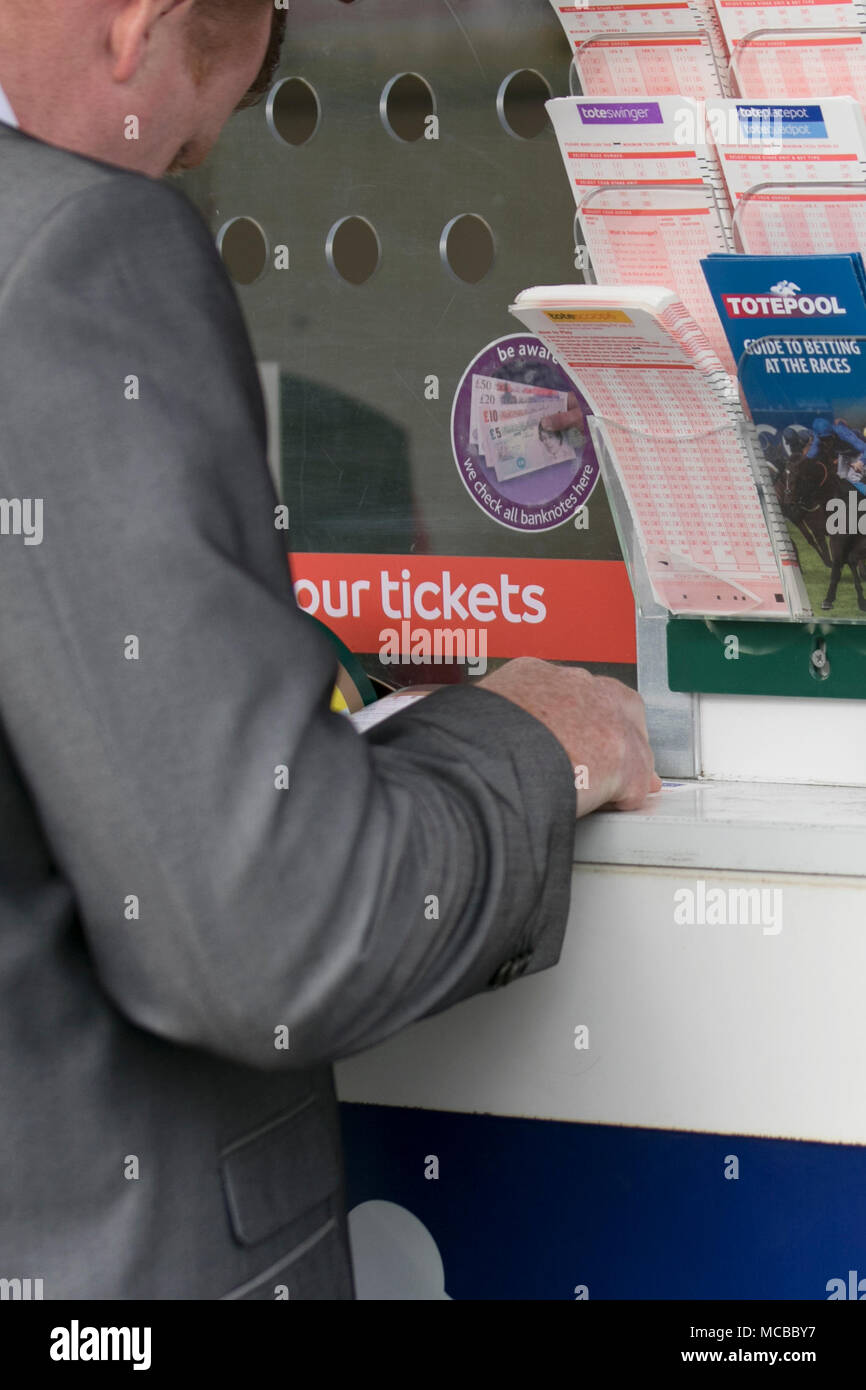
(367, 460)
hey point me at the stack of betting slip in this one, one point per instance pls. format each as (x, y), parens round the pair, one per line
(667, 413)
(649, 194)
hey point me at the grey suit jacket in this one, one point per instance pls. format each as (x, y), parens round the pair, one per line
(186, 944)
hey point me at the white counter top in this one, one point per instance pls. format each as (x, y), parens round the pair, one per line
(720, 1027)
(758, 826)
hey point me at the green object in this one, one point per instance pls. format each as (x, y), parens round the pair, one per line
(813, 660)
(349, 661)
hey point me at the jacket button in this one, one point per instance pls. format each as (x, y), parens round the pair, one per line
(500, 976)
(510, 970)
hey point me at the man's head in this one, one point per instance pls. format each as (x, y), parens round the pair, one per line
(78, 72)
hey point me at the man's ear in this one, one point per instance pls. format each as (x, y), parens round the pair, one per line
(132, 27)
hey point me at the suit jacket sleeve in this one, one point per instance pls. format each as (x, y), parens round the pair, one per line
(155, 675)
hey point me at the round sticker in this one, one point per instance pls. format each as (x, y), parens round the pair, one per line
(523, 474)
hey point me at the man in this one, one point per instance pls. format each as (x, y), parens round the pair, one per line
(834, 442)
(210, 886)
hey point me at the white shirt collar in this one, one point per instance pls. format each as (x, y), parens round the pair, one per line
(6, 112)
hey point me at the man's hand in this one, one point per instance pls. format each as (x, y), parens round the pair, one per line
(566, 418)
(599, 722)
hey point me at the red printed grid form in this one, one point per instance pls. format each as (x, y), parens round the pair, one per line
(590, 168)
(609, 142)
(672, 434)
(671, 487)
(789, 223)
(823, 64)
(741, 17)
(616, 153)
(634, 65)
(656, 236)
(580, 22)
(794, 140)
(801, 158)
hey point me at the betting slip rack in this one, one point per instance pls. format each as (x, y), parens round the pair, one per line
(820, 654)
(766, 63)
(788, 219)
(812, 62)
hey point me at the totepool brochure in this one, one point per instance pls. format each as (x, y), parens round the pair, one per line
(676, 439)
(798, 328)
(797, 297)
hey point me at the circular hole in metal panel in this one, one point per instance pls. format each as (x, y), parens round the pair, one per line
(520, 103)
(467, 247)
(244, 249)
(405, 105)
(293, 111)
(353, 249)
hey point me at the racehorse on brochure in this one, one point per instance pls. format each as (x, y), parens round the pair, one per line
(809, 523)
(809, 485)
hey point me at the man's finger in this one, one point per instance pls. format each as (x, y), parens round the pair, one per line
(563, 421)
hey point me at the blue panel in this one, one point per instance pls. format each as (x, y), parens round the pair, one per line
(528, 1209)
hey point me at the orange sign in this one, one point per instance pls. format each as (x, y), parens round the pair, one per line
(561, 610)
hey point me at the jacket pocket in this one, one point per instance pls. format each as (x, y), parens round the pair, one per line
(282, 1170)
(318, 1269)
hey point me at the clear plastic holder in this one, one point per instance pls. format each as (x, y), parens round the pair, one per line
(807, 472)
(663, 577)
(640, 197)
(793, 489)
(747, 83)
(848, 200)
(582, 258)
(716, 85)
(624, 519)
